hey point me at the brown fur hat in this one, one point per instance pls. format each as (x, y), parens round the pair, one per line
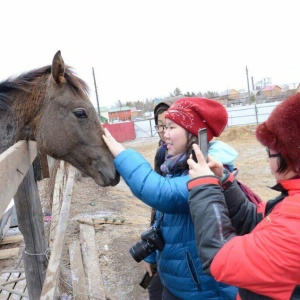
(281, 131)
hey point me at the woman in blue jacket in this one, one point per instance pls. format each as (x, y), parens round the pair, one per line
(178, 262)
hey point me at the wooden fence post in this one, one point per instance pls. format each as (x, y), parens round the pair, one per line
(31, 224)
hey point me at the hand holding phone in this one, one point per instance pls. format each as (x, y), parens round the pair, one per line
(147, 278)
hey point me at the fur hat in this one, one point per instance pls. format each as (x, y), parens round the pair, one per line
(281, 131)
(164, 106)
(195, 113)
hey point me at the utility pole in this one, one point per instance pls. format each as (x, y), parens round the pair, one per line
(256, 112)
(248, 84)
(99, 115)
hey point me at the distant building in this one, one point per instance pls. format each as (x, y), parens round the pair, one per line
(271, 91)
(230, 94)
(104, 118)
(135, 113)
(119, 114)
(230, 97)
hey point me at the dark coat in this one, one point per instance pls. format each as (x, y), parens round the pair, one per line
(254, 248)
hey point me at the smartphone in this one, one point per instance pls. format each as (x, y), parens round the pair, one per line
(202, 140)
(145, 280)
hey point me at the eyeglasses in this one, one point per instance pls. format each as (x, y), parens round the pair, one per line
(160, 128)
(271, 155)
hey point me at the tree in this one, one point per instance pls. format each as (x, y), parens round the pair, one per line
(211, 94)
(188, 94)
(177, 92)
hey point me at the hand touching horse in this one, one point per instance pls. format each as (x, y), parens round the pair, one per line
(51, 106)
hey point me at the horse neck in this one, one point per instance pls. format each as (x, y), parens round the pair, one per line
(21, 121)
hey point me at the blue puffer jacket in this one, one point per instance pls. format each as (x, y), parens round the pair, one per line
(178, 263)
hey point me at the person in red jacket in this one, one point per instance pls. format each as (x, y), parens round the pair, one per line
(254, 248)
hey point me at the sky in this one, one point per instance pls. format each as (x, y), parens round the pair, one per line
(146, 49)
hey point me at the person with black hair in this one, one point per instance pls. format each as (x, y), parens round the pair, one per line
(155, 287)
(178, 263)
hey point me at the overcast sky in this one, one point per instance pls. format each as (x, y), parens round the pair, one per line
(145, 49)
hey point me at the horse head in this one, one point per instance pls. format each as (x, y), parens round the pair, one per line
(69, 129)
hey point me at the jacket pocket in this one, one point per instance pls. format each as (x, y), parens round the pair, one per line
(192, 269)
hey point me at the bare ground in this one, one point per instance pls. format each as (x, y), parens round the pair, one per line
(121, 274)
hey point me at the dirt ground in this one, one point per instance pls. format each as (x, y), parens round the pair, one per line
(121, 274)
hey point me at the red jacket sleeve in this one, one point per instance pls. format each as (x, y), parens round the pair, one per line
(267, 260)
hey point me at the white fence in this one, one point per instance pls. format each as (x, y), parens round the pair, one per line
(238, 115)
(250, 114)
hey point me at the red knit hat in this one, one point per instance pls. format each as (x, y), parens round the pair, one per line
(281, 131)
(195, 113)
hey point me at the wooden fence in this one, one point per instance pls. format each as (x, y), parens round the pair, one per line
(17, 181)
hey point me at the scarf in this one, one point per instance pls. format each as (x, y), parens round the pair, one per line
(172, 162)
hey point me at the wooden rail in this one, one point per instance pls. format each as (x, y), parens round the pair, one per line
(14, 165)
(52, 275)
(17, 181)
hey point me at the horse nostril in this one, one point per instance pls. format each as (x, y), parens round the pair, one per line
(111, 178)
(116, 179)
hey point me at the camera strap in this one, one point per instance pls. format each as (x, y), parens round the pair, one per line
(160, 220)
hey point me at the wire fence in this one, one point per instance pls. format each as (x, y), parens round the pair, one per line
(237, 116)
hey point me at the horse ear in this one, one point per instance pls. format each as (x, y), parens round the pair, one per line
(58, 68)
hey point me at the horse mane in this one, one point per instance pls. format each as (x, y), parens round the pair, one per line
(23, 82)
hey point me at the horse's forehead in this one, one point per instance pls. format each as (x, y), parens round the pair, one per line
(67, 94)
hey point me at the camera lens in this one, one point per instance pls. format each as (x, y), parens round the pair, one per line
(140, 251)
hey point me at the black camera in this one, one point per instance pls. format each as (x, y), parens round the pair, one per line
(151, 240)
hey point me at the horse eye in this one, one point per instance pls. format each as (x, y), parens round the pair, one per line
(80, 113)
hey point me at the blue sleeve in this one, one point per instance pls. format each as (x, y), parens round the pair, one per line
(151, 259)
(168, 195)
(223, 153)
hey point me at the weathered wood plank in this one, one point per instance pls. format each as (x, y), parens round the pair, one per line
(14, 164)
(11, 239)
(16, 279)
(56, 203)
(12, 291)
(31, 225)
(52, 275)
(4, 294)
(91, 262)
(19, 288)
(77, 272)
(9, 285)
(8, 253)
(13, 286)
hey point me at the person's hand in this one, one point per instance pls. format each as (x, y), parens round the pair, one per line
(147, 267)
(114, 147)
(202, 168)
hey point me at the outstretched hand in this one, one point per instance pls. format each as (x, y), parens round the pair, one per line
(202, 168)
(114, 147)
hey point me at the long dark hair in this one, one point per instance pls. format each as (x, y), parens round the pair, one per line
(191, 139)
(282, 164)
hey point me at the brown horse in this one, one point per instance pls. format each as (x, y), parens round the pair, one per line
(51, 106)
